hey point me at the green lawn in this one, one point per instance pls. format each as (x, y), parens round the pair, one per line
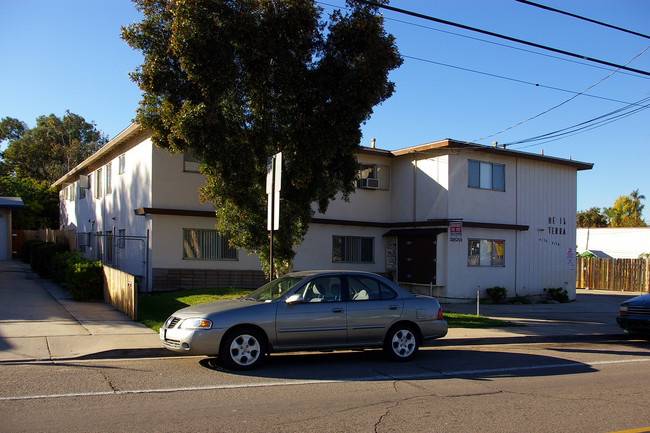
(457, 320)
(155, 309)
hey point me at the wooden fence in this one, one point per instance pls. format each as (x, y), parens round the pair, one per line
(629, 275)
(45, 235)
(120, 291)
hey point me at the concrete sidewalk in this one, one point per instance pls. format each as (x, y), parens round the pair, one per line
(591, 316)
(39, 321)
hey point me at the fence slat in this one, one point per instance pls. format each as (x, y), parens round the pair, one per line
(629, 275)
(120, 291)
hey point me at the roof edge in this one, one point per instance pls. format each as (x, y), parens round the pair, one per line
(463, 145)
(120, 138)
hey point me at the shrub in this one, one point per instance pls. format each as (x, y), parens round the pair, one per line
(496, 294)
(519, 300)
(87, 281)
(63, 266)
(559, 294)
(42, 257)
(26, 250)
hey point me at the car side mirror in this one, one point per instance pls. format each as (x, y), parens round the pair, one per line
(294, 299)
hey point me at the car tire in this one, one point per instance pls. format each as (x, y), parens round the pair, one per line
(401, 343)
(242, 349)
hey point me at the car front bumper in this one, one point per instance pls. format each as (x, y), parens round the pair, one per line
(636, 324)
(192, 341)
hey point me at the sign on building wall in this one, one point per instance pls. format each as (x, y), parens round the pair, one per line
(571, 258)
(391, 257)
(455, 231)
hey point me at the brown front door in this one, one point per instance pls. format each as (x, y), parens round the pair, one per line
(17, 239)
(416, 259)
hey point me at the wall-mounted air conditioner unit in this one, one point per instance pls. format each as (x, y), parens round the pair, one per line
(369, 183)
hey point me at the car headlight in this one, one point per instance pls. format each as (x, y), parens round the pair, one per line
(196, 324)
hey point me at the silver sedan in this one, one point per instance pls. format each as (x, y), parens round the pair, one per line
(316, 310)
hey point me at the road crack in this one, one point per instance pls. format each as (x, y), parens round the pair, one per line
(384, 415)
(110, 383)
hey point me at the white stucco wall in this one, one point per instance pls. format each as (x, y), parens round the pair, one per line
(537, 194)
(546, 201)
(619, 243)
(130, 190)
(365, 204)
(484, 205)
(167, 245)
(172, 187)
(316, 250)
(423, 186)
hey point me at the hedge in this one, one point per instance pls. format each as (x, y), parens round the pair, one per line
(82, 278)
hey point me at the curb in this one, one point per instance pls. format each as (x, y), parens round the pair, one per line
(108, 354)
(477, 341)
(526, 339)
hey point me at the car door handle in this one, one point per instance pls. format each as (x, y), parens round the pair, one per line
(337, 310)
(392, 307)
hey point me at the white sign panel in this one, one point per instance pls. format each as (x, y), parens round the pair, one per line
(455, 231)
(273, 186)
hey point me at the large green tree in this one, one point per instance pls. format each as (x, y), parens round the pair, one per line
(41, 202)
(236, 81)
(50, 149)
(591, 218)
(627, 211)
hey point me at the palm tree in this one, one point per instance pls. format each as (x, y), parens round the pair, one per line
(638, 207)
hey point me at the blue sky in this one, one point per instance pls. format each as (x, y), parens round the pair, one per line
(67, 55)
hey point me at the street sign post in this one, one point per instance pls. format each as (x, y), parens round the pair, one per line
(273, 187)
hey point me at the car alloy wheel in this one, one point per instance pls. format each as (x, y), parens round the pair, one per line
(242, 350)
(401, 343)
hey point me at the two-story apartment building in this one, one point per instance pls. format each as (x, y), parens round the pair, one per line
(447, 218)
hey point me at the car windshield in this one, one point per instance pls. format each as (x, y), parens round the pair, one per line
(275, 289)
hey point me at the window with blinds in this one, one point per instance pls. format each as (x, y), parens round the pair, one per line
(204, 244)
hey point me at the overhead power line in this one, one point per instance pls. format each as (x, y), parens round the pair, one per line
(566, 101)
(516, 80)
(537, 53)
(548, 8)
(592, 123)
(508, 38)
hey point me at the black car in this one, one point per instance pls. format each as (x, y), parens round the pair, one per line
(634, 315)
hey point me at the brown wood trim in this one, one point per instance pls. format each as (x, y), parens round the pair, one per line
(337, 222)
(429, 223)
(174, 212)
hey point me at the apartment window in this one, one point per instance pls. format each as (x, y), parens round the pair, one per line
(71, 192)
(206, 244)
(109, 175)
(108, 244)
(121, 164)
(485, 252)
(353, 249)
(191, 163)
(485, 175)
(121, 238)
(98, 183)
(83, 184)
(373, 176)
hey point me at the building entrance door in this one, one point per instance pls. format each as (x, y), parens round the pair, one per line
(416, 259)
